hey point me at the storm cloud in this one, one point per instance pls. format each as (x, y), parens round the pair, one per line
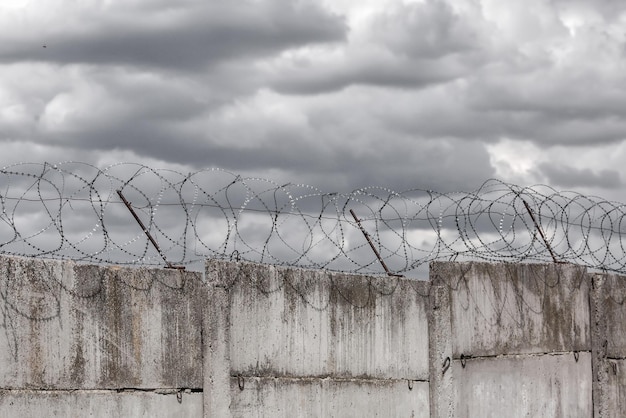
(403, 94)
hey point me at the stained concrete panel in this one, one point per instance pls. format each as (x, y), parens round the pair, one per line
(440, 347)
(285, 397)
(516, 308)
(99, 403)
(615, 402)
(609, 344)
(68, 326)
(612, 302)
(524, 386)
(294, 322)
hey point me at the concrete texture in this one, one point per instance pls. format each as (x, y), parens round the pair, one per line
(610, 302)
(294, 322)
(615, 389)
(313, 343)
(287, 398)
(440, 353)
(519, 339)
(69, 326)
(524, 386)
(216, 362)
(515, 309)
(99, 403)
(609, 344)
(255, 340)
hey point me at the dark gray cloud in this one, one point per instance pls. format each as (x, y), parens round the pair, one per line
(183, 36)
(436, 94)
(441, 164)
(571, 177)
(409, 46)
(389, 93)
(431, 29)
(376, 70)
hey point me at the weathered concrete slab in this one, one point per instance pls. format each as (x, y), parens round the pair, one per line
(267, 341)
(66, 326)
(294, 322)
(615, 402)
(216, 346)
(440, 349)
(609, 344)
(611, 301)
(286, 397)
(524, 386)
(516, 308)
(105, 404)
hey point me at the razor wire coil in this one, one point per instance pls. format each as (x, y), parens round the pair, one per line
(72, 211)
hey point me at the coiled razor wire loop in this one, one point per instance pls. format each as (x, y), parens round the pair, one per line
(71, 210)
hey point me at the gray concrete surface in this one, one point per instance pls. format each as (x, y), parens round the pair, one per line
(68, 326)
(615, 399)
(292, 397)
(262, 341)
(99, 403)
(216, 340)
(609, 344)
(611, 303)
(514, 309)
(442, 401)
(312, 343)
(519, 339)
(524, 386)
(293, 322)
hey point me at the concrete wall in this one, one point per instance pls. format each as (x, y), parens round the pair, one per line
(251, 340)
(609, 344)
(518, 337)
(254, 340)
(311, 343)
(94, 341)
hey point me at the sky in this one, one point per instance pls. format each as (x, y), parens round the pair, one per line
(337, 94)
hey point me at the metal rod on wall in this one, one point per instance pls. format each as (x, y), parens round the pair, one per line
(543, 237)
(367, 237)
(145, 230)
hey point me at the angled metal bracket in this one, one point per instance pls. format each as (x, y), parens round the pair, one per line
(543, 237)
(369, 240)
(145, 231)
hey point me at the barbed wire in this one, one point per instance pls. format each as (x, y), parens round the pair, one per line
(76, 211)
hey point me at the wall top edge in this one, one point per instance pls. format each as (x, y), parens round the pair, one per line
(65, 263)
(487, 264)
(214, 266)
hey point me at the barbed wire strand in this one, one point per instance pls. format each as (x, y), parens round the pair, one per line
(71, 211)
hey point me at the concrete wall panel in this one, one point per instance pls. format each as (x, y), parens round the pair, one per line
(514, 309)
(615, 402)
(613, 303)
(68, 326)
(294, 322)
(105, 404)
(480, 340)
(440, 338)
(609, 344)
(285, 397)
(524, 386)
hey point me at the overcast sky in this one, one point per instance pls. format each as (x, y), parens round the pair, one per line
(338, 94)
